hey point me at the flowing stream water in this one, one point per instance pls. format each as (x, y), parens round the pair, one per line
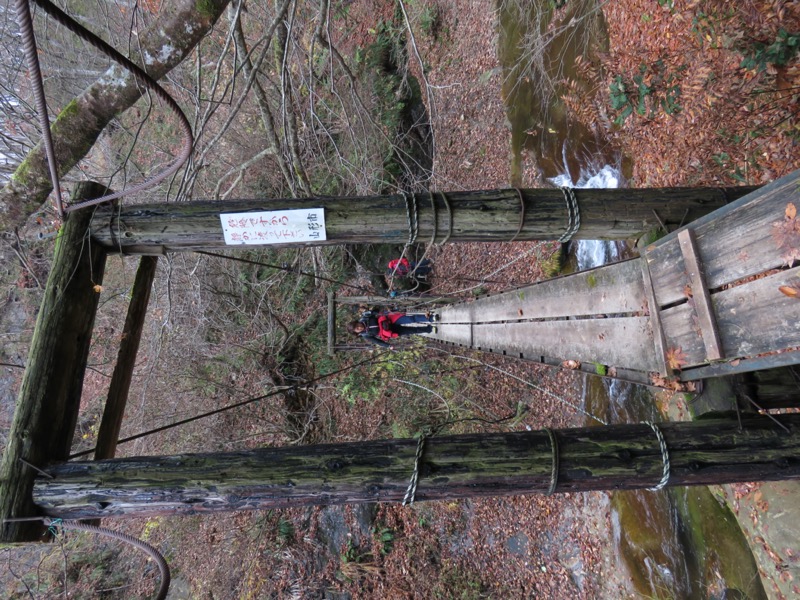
(678, 542)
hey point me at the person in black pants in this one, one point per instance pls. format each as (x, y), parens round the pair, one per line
(380, 328)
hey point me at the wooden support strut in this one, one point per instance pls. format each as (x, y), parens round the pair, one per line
(117, 398)
(331, 323)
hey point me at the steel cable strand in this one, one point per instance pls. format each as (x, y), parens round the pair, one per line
(129, 539)
(25, 22)
(142, 78)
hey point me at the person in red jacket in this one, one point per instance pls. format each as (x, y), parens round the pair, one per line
(381, 328)
(401, 267)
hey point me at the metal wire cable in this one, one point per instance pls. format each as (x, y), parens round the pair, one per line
(411, 492)
(521, 215)
(25, 22)
(555, 464)
(128, 539)
(138, 73)
(284, 268)
(151, 551)
(662, 445)
(280, 390)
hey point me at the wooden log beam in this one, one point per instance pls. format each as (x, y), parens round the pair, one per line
(47, 405)
(475, 216)
(117, 398)
(600, 458)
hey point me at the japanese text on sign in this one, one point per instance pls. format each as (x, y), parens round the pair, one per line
(274, 226)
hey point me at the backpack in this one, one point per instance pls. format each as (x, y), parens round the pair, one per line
(382, 327)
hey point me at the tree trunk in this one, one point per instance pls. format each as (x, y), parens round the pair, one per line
(600, 458)
(47, 405)
(476, 216)
(180, 26)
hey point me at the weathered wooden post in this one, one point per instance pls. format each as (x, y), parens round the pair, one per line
(47, 406)
(570, 460)
(117, 397)
(474, 216)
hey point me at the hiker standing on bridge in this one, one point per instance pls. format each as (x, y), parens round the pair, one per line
(381, 327)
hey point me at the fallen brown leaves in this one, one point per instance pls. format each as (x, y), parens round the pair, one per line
(793, 291)
(786, 234)
(672, 383)
(676, 358)
(734, 125)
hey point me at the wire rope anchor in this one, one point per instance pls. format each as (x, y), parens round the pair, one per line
(412, 216)
(435, 218)
(54, 524)
(662, 444)
(521, 214)
(412, 485)
(555, 465)
(574, 219)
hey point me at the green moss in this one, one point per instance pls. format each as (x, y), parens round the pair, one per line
(720, 545)
(600, 369)
(554, 265)
(650, 236)
(591, 280)
(206, 8)
(714, 550)
(63, 121)
(70, 110)
(21, 175)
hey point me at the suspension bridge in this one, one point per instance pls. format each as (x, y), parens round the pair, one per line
(716, 297)
(713, 298)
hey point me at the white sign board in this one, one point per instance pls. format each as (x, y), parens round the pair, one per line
(274, 226)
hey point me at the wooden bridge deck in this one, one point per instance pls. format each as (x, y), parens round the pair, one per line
(706, 298)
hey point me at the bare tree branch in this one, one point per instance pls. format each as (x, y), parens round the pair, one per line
(164, 45)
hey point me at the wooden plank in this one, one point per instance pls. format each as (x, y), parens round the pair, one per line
(624, 341)
(667, 272)
(733, 243)
(682, 333)
(744, 365)
(752, 318)
(700, 295)
(756, 317)
(117, 398)
(659, 343)
(353, 347)
(50, 394)
(608, 290)
(455, 333)
(456, 313)
(612, 289)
